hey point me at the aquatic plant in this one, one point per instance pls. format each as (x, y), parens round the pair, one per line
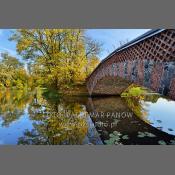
(115, 138)
(162, 142)
(145, 134)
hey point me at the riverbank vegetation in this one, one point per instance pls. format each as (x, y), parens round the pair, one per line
(53, 58)
(134, 91)
(12, 73)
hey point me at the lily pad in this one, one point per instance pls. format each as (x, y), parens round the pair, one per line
(117, 133)
(162, 142)
(172, 142)
(141, 134)
(145, 134)
(149, 134)
(169, 129)
(125, 137)
(114, 138)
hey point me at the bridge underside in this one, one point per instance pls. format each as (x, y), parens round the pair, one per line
(116, 77)
(110, 86)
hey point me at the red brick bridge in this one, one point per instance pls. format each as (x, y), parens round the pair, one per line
(148, 60)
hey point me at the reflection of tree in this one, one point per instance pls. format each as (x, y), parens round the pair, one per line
(152, 98)
(51, 126)
(9, 117)
(48, 113)
(12, 105)
(56, 130)
(135, 104)
(137, 95)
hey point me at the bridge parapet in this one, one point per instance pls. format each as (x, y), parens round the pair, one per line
(148, 60)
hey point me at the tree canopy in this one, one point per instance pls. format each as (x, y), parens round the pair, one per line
(12, 72)
(57, 57)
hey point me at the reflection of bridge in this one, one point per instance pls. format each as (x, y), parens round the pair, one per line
(106, 115)
(148, 60)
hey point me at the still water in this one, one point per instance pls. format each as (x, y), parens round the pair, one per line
(44, 117)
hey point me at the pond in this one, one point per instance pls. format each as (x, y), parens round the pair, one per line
(44, 117)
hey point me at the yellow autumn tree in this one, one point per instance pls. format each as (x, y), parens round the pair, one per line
(59, 57)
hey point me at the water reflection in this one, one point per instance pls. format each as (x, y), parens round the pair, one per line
(155, 110)
(29, 118)
(161, 114)
(138, 129)
(46, 117)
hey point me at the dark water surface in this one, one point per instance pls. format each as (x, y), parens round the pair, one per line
(45, 117)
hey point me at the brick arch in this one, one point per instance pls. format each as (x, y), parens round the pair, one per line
(148, 61)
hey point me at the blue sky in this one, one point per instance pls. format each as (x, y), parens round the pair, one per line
(109, 37)
(5, 44)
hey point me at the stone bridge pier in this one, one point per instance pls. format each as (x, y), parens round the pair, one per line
(148, 60)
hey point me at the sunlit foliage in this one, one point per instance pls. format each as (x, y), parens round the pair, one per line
(134, 91)
(58, 58)
(12, 73)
